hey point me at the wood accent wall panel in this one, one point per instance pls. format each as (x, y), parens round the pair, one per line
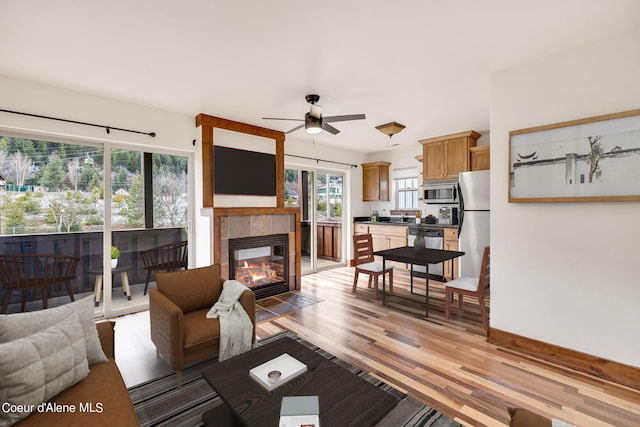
(208, 123)
(218, 212)
(218, 122)
(208, 183)
(280, 172)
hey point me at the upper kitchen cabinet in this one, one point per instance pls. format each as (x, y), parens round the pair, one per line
(375, 181)
(444, 157)
(480, 158)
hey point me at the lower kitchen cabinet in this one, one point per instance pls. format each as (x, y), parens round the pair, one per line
(451, 244)
(389, 237)
(329, 240)
(360, 228)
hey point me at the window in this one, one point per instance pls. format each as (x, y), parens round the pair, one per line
(52, 201)
(291, 188)
(49, 187)
(329, 197)
(406, 193)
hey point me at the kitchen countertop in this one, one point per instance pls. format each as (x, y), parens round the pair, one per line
(405, 224)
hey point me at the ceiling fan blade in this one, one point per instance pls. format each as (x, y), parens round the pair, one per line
(316, 111)
(344, 118)
(295, 128)
(329, 128)
(278, 118)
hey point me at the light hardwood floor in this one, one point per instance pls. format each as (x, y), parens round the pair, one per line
(446, 364)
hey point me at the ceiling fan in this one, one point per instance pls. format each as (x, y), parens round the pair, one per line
(314, 122)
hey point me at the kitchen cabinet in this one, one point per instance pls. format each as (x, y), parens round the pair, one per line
(360, 228)
(329, 240)
(375, 181)
(480, 158)
(444, 157)
(389, 237)
(451, 244)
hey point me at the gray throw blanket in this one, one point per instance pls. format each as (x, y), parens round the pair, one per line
(236, 329)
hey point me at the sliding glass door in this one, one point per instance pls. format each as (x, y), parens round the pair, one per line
(149, 211)
(319, 194)
(55, 211)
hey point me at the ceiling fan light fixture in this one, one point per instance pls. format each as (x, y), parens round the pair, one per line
(391, 128)
(312, 125)
(312, 128)
(314, 122)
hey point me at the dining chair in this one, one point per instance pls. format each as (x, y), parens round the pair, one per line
(366, 263)
(473, 286)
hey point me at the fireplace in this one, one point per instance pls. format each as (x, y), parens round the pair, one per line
(261, 263)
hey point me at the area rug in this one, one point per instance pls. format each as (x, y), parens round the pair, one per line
(160, 403)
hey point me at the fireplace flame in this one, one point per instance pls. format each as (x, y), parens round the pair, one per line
(256, 273)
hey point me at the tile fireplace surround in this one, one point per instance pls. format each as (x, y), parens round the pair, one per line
(232, 223)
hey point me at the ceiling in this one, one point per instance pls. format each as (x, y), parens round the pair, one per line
(426, 64)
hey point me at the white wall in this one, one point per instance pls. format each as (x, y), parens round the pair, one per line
(400, 159)
(566, 273)
(175, 132)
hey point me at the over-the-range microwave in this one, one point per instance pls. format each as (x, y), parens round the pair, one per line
(441, 192)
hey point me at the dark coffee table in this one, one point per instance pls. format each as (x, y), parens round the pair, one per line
(345, 399)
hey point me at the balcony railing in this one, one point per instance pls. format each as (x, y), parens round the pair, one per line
(87, 246)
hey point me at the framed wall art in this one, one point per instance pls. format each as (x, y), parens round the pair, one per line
(593, 159)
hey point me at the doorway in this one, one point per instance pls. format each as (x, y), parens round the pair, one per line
(320, 195)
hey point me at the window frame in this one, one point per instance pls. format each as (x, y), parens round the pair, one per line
(399, 191)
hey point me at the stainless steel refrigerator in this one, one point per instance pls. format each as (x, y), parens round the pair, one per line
(473, 226)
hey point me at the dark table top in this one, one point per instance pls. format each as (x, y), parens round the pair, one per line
(119, 269)
(409, 255)
(345, 399)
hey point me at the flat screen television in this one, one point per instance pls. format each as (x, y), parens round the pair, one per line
(242, 172)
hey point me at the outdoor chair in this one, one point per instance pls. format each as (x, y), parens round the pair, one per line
(23, 272)
(171, 257)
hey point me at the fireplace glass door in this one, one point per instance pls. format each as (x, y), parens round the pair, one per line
(261, 263)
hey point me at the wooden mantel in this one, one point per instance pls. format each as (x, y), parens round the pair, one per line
(208, 123)
(218, 212)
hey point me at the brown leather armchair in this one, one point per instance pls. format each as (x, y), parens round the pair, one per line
(179, 328)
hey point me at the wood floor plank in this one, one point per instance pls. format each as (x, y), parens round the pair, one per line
(447, 363)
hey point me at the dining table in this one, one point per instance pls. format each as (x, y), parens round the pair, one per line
(416, 256)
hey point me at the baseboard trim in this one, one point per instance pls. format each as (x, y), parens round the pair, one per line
(603, 368)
